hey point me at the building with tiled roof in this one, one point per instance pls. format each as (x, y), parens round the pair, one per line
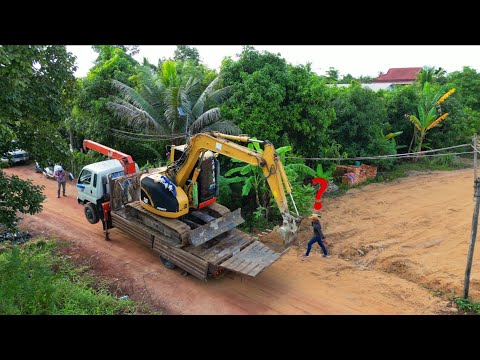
(399, 75)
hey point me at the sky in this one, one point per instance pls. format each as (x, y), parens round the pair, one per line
(357, 60)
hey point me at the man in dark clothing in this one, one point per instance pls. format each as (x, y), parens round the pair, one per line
(317, 236)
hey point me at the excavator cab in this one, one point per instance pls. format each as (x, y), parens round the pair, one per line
(162, 196)
(206, 188)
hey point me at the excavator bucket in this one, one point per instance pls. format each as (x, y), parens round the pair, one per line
(282, 237)
(288, 232)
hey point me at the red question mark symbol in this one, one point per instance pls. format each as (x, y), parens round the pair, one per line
(323, 186)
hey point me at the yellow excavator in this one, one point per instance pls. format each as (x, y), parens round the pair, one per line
(191, 191)
(173, 209)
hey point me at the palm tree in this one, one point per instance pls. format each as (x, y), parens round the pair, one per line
(431, 75)
(167, 104)
(427, 111)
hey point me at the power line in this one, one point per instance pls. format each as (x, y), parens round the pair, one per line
(393, 156)
(153, 137)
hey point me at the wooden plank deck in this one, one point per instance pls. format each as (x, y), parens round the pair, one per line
(251, 260)
(229, 245)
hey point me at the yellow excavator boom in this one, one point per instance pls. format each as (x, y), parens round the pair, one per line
(269, 161)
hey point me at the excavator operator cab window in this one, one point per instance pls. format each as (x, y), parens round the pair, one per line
(178, 151)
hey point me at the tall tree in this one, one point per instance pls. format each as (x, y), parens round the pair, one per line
(185, 52)
(166, 104)
(467, 82)
(36, 86)
(399, 101)
(258, 81)
(360, 123)
(36, 89)
(285, 104)
(91, 118)
(307, 106)
(332, 75)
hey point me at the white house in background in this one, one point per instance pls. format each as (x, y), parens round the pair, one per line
(394, 76)
(374, 86)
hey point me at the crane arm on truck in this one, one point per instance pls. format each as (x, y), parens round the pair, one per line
(126, 160)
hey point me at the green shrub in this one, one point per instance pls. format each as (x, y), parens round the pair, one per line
(36, 279)
(468, 305)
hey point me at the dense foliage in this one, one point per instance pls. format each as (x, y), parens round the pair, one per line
(361, 123)
(36, 91)
(285, 104)
(142, 108)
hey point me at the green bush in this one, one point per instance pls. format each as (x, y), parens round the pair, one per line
(36, 279)
(467, 305)
(18, 195)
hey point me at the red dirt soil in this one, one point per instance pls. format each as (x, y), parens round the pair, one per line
(397, 248)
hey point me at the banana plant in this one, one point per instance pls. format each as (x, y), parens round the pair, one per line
(392, 136)
(327, 175)
(427, 111)
(253, 178)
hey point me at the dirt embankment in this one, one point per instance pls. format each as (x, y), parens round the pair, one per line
(393, 246)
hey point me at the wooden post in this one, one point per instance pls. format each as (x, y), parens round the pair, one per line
(475, 165)
(473, 233)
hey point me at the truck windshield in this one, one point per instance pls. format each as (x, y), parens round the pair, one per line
(85, 177)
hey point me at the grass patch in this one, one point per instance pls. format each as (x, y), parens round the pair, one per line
(35, 278)
(467, 306)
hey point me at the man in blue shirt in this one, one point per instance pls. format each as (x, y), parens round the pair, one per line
(317, 236)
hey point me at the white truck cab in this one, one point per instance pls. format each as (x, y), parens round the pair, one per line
(93, 185)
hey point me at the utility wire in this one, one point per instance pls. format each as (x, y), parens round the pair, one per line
(393, 156)
(152, 136)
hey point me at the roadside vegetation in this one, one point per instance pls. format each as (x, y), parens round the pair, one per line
(146, 107)
(37, 279)
(467, 306)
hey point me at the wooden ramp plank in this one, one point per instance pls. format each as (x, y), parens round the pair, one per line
(251, 260)
(228, 246)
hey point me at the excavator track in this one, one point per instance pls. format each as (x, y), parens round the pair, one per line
(205, 243)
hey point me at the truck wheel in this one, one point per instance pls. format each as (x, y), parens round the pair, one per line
(167, 263)
(90, 211)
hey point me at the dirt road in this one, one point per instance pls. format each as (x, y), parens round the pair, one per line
(397, 248)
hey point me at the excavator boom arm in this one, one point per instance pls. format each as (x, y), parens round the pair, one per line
(269, 161)
(126, 160)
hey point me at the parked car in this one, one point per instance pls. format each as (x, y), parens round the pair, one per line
(15, 157)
